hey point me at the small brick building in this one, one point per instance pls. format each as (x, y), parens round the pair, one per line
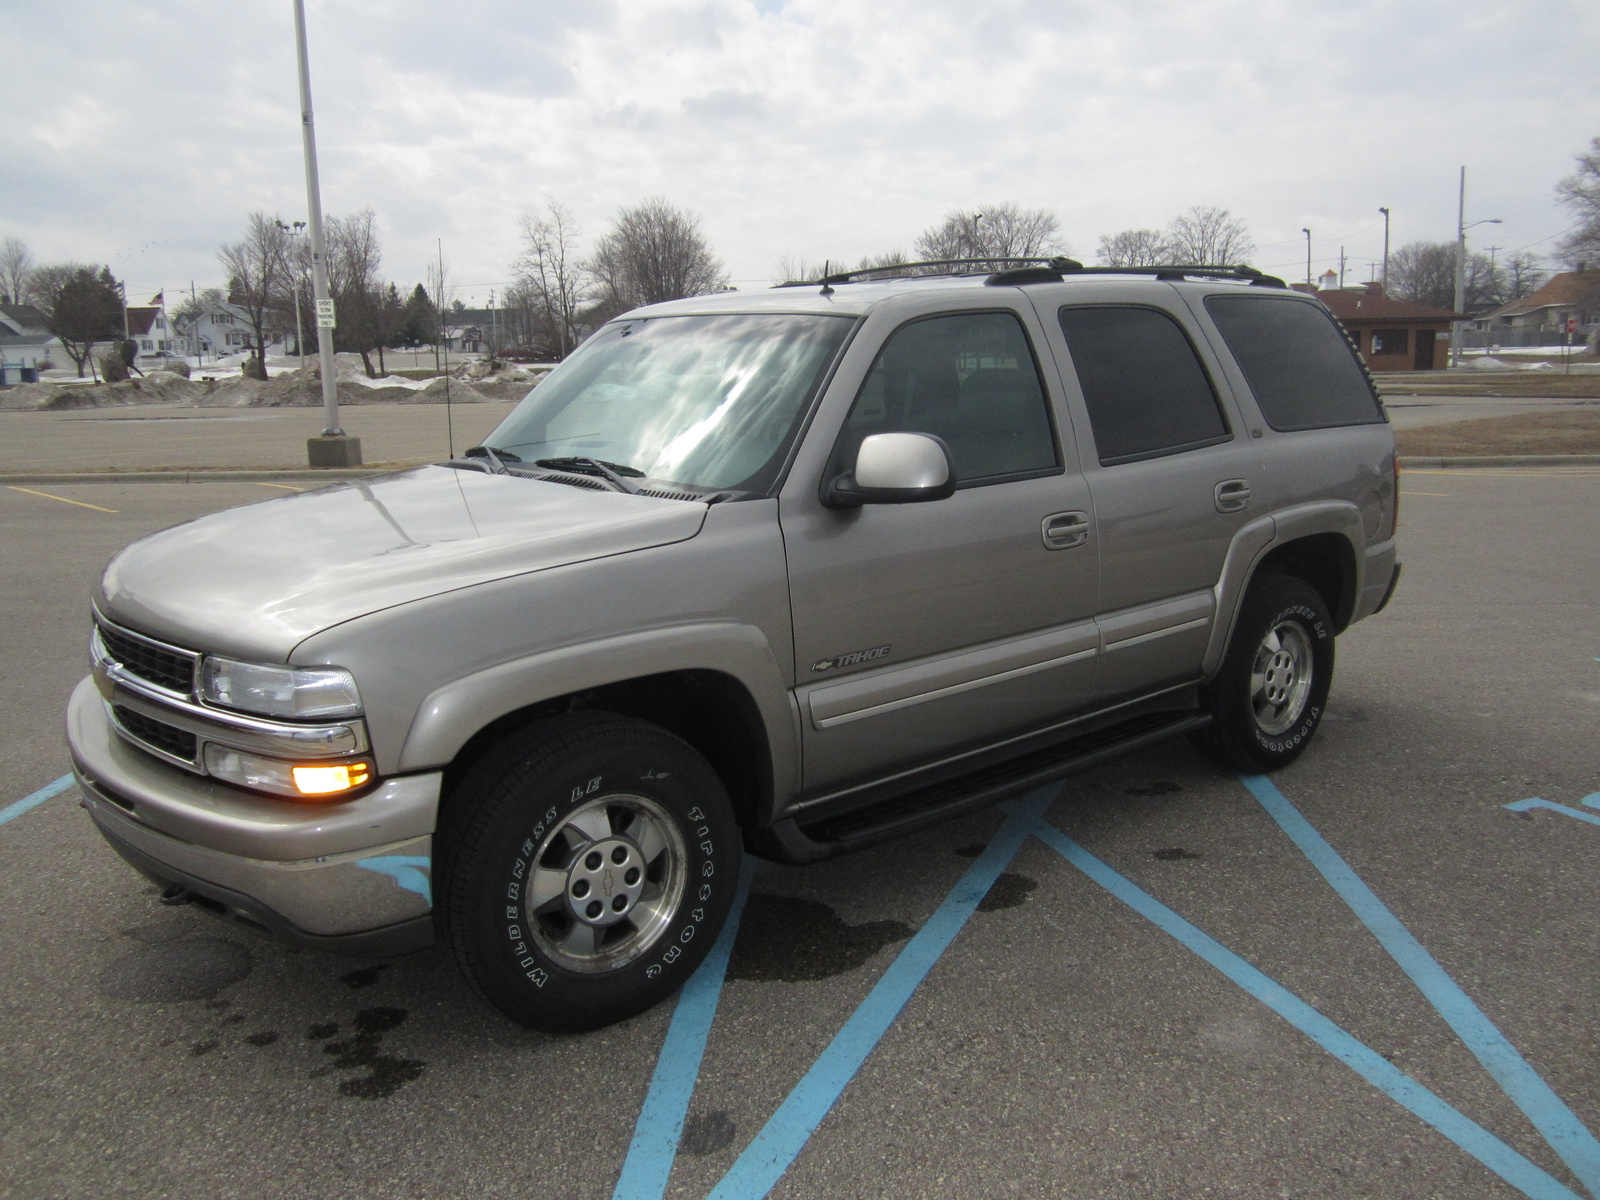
(1392, 335)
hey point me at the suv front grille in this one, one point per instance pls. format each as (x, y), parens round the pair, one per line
(164, 668)
(179, 743)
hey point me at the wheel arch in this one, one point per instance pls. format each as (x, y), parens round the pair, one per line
(718, 688)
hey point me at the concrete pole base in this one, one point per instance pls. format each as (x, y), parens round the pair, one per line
(342, 451)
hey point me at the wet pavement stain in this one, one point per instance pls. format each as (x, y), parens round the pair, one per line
(386, 1074)
(265, 1038)
(786, 940)
(322, 1029)
(706, 1133)
(1008, 891)
(193, 969)
(1160, 787)
(206, 1047)
(1175, 854)
(971, 851)
(364, 976)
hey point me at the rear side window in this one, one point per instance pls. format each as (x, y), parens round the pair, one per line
(1145, 389)
(1301, 369)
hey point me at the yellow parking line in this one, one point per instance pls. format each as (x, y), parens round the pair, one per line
(63, 499)
(284, 486)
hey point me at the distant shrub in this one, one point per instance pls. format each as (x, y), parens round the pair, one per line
(177, 366)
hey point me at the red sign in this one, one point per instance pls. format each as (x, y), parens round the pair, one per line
(1572, 324)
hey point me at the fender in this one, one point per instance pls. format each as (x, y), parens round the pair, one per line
(450, 715)
(1258, 539)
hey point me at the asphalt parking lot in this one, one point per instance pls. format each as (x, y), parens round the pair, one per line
(1368, 977)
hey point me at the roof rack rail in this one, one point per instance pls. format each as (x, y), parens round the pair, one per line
(975, 266)
(1016, 271)
(1173, 272)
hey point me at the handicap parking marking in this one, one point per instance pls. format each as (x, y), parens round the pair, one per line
(1548, 1113)
(1589, 801)
(1518, 1171)
(763, 1162)
(81, 504)
(656, 1134)
(34, 799)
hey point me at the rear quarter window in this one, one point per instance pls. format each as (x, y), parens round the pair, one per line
(1302, 371)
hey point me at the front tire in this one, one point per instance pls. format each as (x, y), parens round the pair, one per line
(586, 867)
(1269, 697)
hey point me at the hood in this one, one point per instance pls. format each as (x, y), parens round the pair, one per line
(258, 580)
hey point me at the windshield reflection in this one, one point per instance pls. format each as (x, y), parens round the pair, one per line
(707, 402)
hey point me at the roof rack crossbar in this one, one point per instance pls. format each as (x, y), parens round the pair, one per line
(1006, 270)
(977, 266)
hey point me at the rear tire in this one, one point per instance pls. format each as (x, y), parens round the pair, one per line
(585, 868)
(1269, 697)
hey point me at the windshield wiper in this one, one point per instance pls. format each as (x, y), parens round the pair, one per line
(498, 457)
(612, 473)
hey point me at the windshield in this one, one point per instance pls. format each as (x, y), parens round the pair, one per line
(710, 402)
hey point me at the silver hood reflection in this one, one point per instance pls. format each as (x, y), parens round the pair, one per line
(256, 581)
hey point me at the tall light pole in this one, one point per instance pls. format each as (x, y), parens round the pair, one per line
(1307, 232)
(1457, 327)
(1385, 276)
(297, 228)
(334, 448)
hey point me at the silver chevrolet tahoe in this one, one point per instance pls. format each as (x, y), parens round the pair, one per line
(793, 571)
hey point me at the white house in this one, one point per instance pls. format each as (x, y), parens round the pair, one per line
(224, 329)
(24, 342)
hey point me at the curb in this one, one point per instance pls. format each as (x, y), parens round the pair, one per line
(1503, 460)
(334, 474)
(323, 475)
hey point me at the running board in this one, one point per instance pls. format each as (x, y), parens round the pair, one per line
(810, 838)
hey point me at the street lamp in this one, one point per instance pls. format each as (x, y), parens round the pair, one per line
(1457, 327)
(1307, 232)
(334, 448)
(298, 227)
(1385, 276)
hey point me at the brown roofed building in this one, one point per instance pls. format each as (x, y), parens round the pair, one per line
(1567, 303)
(1392, 335)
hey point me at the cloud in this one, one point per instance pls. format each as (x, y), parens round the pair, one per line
(814, 127)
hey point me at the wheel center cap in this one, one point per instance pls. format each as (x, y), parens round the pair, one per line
(604, 881)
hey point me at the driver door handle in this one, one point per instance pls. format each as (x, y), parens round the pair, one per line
(1232, 495)
(1062, 531)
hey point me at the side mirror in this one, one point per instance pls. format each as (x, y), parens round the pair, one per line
(894, 468)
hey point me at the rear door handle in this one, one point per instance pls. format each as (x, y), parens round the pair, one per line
(1062, 531)
(1232, 495)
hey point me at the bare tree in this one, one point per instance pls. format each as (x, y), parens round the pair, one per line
(196, 305)
(1134, 248)
(550, 273)
(995, 231)
(797, 268)
(353, 254)
(653, 252)
(85, 308)
(258, 274)
(1208, 236)
(1524, 274)
(15, 265)
(1580, 192)
(441, 288)
(1424, 273)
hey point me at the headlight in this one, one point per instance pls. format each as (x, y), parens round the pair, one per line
(300, 780)
(280, 691)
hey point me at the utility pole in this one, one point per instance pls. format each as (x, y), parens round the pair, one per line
(298, 227)
(1385, 213)
(1307, 232)
(1458, 327)
(334, 448)
(1341, 266)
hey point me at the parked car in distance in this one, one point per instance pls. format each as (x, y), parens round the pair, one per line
(794, 571)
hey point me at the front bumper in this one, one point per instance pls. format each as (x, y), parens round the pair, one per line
(352, 875)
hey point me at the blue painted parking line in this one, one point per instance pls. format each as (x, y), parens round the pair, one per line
(33, 800)
(1525, 805)
(1567, 1136)
(1477, 1141)
(767, 1157)
(655, 1135)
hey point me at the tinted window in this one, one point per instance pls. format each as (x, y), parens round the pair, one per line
(1301, 369)
(970, 378)
(1146, 392)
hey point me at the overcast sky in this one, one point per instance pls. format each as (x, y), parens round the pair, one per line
(142, 134)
